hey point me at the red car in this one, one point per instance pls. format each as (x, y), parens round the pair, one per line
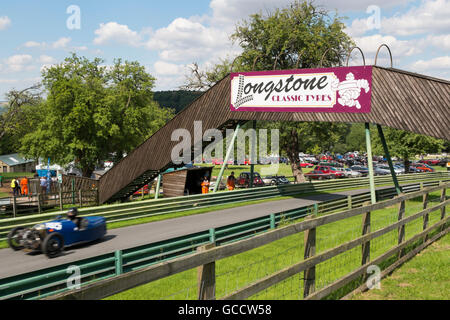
(139, 192)
(306, 165)
(330, 170)
(422, 167)
(244, 180)
(317, 175)
(431, 162)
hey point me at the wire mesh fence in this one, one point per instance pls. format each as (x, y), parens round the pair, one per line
(302, 264)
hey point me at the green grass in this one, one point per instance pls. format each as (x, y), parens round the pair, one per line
(424, 277)
(240, 270)
(10, 175)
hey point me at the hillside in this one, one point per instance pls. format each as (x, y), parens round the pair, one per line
(177, 100)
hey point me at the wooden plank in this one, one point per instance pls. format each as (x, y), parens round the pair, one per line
(426, 216)
(206, 277)
(400, 261)
(365, 247)
(309, 275)
(362, 270)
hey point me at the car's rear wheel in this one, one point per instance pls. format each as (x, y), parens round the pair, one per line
(52, 245)
(13, 239)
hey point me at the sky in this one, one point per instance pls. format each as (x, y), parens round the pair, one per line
(168, 36)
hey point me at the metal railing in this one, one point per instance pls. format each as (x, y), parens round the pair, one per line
(148, 208)
(42, 283)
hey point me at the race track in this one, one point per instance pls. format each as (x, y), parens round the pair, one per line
(14, 263)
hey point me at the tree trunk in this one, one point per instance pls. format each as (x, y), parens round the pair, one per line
(406, 163)
(293, 151)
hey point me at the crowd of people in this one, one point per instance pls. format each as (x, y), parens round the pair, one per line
(20, 186)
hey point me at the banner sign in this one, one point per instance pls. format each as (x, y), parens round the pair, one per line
(343, 89)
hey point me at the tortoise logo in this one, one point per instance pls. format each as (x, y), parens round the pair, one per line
(350, 89)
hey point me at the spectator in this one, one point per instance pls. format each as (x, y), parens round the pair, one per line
(14, 186)
(24, 186)
(43, 183)
(231, 181)
(205, 185)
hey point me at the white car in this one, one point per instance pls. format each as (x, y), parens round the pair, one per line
(349, 173)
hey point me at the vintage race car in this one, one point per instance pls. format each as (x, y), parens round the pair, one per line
(52, 237)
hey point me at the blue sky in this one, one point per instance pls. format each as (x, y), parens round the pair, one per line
(167, 36)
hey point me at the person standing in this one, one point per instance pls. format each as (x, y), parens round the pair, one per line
(13, 186)
(205, 185)
(231, 181)
(43, 184)
(24, 186)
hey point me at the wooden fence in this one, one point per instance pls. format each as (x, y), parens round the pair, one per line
(206, 257)
(77, 191)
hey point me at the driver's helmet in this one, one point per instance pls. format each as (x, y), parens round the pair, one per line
(72, 213)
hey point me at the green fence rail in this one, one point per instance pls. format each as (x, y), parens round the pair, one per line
(50, 281)
(148, 208)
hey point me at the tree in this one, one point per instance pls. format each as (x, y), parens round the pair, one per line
(10, 119)
(92, 112)
(405, 144)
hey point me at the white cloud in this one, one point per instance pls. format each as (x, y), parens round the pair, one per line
(112, 32)
(429, 17)
(32, 44)
(165, 68)
(61, 43)
(46, 59)
(439, 63)
(18, 62)
(5, 22)
(441, 41)
(399, 48)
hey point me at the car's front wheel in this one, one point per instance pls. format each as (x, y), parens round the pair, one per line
(52, 245)
(13, 238)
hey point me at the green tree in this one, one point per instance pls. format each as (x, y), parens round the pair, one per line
(92, 112)
(298, 35)
(405, 144)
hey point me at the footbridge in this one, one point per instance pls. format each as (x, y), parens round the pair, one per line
(399, 99)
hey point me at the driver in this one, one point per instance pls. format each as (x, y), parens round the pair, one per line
(72, 214)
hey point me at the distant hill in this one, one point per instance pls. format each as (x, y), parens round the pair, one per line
(177, 100)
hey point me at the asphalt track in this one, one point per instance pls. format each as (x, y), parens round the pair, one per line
(17, 262)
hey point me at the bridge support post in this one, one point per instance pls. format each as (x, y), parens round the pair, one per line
(227, 156)
(388, 157)
(252, 156)
(158, 186)
(373, 195)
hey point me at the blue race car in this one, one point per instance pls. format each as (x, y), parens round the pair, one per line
(52, 237)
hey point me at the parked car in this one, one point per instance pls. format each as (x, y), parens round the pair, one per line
(318, 175)
(144, 189)
(380, 171)
(306, 165)
(330, 170)
(244, 180)
(52, 237)
(363, 170)
(431, 162)
(423, 167)
(275, 180)
(349, 173)
(397, 170)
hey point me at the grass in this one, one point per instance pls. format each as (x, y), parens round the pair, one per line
(10, 175)
(237, 271)
(424, 277)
